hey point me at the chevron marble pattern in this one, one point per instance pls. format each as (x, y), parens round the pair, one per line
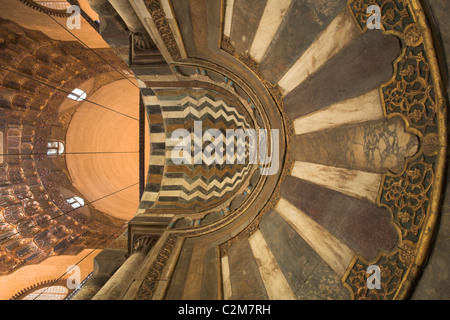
(195, 183)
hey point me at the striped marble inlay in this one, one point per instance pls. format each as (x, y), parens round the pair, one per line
(225, 267)
(362, 226)
(373, 146)
(157, 150)
(363, 108)
(335, 253)
(359, 184)
(193, 183)
(228, 17)
(195, 273)
(341, 31)
(276, 285)
(272, 17)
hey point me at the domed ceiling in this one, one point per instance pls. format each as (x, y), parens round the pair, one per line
(38, 219)
(103, 150)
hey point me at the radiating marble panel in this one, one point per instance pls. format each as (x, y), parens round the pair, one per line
(332, 250)
(360, 109)
(300, 27)
(338, 34)
(364, 227)
(296, 258)
(375, 146)
(355, 183)
(268, 26)
(276, 285)
(246, 17)
(360, 67)
(246, 282)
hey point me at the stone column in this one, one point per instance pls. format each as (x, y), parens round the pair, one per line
(91, 287)
(105, 265)
(112, 28)
(126, 12)
(102, 7)
(117, 286)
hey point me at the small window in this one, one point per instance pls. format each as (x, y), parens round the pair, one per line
(75, 202)
(55, 148)
(77, 95)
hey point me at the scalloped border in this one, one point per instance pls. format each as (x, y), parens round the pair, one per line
(423, 246)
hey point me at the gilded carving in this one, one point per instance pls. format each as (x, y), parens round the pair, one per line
(394, 13)
(148, 286)
(118, 244)
(159, 17)
(412, 35)
(411, 93)
(392, 271)
(408, 196)
(430, 144)
(412, 197)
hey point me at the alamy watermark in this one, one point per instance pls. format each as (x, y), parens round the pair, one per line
(229, 148)
(74, 279)
(374, 280)
(74, 20)
(374, 21)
